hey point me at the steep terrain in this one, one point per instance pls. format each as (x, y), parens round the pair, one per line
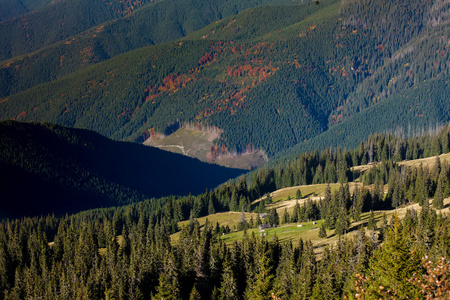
(48, 168)
(269, 78)
(35, 50)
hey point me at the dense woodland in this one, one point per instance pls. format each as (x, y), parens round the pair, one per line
(80, 256)
(270, 89)
(289, 79)
(152, 24)
(67, 170)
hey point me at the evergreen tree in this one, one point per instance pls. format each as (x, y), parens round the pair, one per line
(228, 288)
(243, 221)
(342, 222)
(296, 213)
(262, 285)
(169, 287)
(391, 267)
(211, 209)
(298, 194)
(372, 224)
(325, 285)
(438, 201)
(286, 217)
(194, 295)
(284, 281)
(273, 218)
(323, 231)
(421, 194)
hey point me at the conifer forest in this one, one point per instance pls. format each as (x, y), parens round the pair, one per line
(224, 149)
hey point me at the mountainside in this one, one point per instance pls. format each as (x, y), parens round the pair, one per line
(58, 21)
(320, 241)
(48, 168)
(269, 78)
(13, 8)
(38, 42)
(408, 113)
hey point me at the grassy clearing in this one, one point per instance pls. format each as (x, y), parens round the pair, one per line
(426, 162)
(286, 232)
(314, 190)
(230, 219)
(308, 230)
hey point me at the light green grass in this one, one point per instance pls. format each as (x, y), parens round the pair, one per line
(306, 190)
(286, 232)
(230, 219)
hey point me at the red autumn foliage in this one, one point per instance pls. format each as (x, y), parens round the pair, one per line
(205, 59)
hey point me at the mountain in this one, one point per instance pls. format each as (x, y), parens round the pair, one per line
(14, 8)
(58, 21)
(412, 112)
(269, 78)
(47, 168)
(51, 43)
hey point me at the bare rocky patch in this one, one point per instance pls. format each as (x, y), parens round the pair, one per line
(200, 142)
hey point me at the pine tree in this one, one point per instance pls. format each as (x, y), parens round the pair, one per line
(211, 209)
(243, 221)
(421, 189)
(391, 266)
(438, 201)
(298, 194)
(325, 285)
(234, 202)
(342, 222)
(168, 288)
(372, 224)
(323, 231)
(262, 286)
(296, 213)
(228, 288)
(194, 295)
(286, 217)
(284, 280)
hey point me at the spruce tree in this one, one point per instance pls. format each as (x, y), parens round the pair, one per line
(286, 217)
(372, 224)
(323, 231)
(194, 295)
(211, 209)
(169, 287)
(342, 222)
(228, 288)
(391, 267)
(284, 280)
(261, 288)
(438, 201)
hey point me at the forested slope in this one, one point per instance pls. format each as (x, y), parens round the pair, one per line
(57, 22)
(126, 252)
(48, 168)
(101, 39)
(408, 113)
(152, 24)
(13, 8)
(267, 85)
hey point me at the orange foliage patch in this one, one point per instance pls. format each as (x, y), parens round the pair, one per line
(22, 114)
(205, 59)
(172, 82)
